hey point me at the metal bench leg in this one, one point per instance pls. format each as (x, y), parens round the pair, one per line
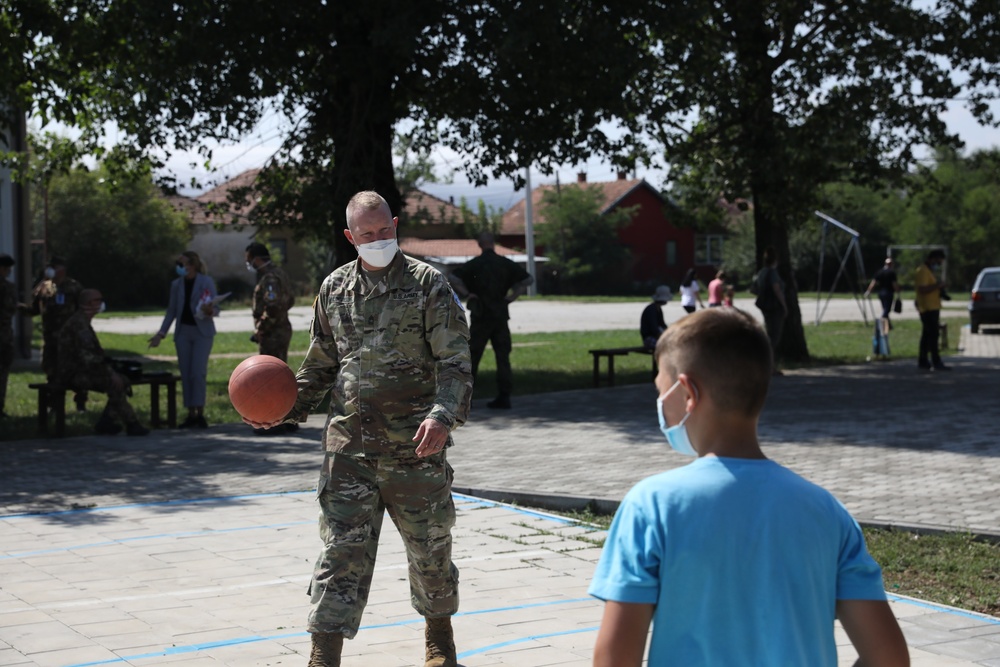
(597, 370)
(59, 397)
(43, 412)
(172, 403)
(611, 370)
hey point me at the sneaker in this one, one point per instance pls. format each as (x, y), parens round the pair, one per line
(190, 422)
(200, 422)
(923, 367)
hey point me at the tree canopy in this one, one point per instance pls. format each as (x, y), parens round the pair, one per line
(772, 100)
(766, 100)
(581, 242)
(116, 233)
(499, 80)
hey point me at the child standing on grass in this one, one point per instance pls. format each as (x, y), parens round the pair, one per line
(734, 559)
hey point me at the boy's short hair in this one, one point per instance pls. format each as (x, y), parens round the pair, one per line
(727, 354)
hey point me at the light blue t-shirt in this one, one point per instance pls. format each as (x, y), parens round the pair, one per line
(744, 560)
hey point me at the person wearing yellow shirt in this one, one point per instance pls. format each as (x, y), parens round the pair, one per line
(929, 288)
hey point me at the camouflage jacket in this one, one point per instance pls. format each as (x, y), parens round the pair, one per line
(80, 353)
(55, 303)
(8, 308)
(272, 297)
(392, 355)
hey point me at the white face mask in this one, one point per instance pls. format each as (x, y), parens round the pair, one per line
(378, 253)
(677, 434)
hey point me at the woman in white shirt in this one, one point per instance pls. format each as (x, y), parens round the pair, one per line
(690, 292)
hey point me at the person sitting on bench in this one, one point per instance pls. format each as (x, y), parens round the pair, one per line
(652, 324)
(83, 366)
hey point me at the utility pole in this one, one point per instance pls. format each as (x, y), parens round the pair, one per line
(529, 233)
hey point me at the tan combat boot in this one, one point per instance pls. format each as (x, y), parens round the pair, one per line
(326, 648)
(440, 643)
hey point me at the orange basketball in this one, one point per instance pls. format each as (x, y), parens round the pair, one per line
(262, 389)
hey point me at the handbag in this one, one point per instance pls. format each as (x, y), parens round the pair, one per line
(897, 305)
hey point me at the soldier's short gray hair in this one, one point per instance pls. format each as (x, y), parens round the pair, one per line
(366, 200)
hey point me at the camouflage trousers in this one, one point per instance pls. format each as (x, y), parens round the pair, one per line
(274, 342)
(416, 493)
(117, 407)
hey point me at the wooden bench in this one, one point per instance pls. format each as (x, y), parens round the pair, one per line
(52, 399)
(611, 353)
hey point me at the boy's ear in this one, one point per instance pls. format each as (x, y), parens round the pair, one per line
(694, 396)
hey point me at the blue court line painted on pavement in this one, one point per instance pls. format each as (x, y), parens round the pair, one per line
(192, 648)
(522, 640)
(519, 510)
(160, 503)
(945, 610)
(192, 533)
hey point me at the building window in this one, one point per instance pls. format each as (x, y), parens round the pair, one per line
(671, 253)
(708, 249)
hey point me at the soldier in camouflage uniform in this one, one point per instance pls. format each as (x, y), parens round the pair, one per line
(390, 339)
(8, 307)
(83, 365)
(272, 297)
(55, 299)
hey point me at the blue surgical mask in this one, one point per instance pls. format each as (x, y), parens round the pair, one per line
(181, 271)
(677, 434)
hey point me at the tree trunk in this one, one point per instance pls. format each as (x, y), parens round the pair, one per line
(768, 169)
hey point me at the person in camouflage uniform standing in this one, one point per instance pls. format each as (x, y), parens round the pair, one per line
(272, 298)
(491, 283)
(83, 365)
(8, 307)
(55, 298)
(390, 339)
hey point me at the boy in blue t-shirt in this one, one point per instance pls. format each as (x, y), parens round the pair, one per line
(734, 559)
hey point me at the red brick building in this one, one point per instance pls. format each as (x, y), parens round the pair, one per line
(661, 252)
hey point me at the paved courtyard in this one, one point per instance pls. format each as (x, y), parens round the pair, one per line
(194, 549)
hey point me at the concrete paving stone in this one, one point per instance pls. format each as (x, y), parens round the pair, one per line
(949, 621)
(39, 637)
(11, 658)
(969, 649)
(99, 629)
(919, 635)
(990, 632)
(26, 616)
